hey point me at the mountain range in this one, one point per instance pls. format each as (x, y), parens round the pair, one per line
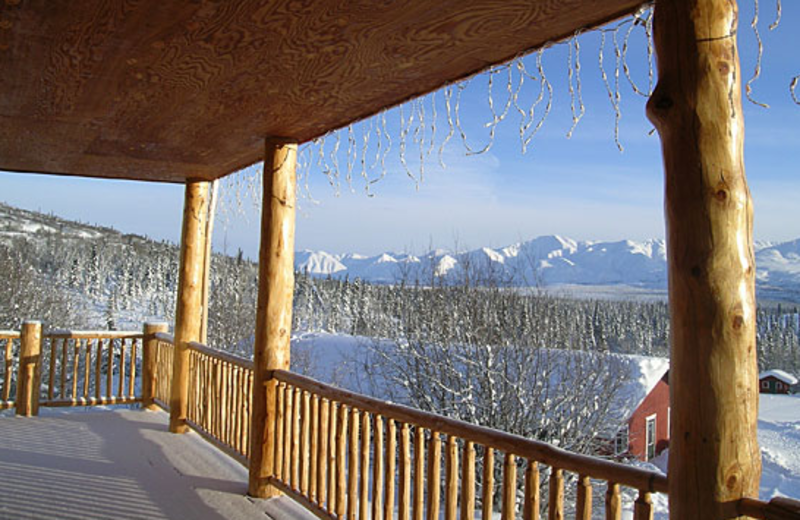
(549, 261)
(545, 261)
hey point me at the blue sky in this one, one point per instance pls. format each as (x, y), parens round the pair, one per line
(581, 187)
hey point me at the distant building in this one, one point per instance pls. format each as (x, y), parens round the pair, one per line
(646, 432)
(776, 382)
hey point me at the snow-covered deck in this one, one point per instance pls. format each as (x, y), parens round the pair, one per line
(121, 464)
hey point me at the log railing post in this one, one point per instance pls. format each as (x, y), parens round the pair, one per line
(696, 107)
(149, 363)
(274, 314)
(189, 304)
(27, 400)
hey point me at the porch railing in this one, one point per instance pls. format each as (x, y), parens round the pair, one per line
(340, 454)
(335, 449)
(83, 368)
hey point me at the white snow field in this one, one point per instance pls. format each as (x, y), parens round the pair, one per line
(779, 438)
(121, 464)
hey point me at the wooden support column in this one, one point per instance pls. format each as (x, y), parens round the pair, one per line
(149, 363)
(189, 305)
(696, 107)
(29, 370)
(274, 315)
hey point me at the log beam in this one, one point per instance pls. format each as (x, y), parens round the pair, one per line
(189, 305)
(149, 362)
(696, 107)
(27, 400)
(274, 314)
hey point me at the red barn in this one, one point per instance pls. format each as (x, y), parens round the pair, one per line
(775, 382)
(646, 431)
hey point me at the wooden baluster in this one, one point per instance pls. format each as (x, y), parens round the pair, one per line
(487, 487)
(377, 469)
(352, 466)
(332, 455)
(76, 358)
(287, 434)
(404, 493)
(237, 409)
(280, 412)
(110, 369)
(87, 368)
(296, 409)
(556, 495)
(451, 480)
(229, 398)
(312, 448)
(52, 375)
(613, 502)
(305, 443)
(643, 508)
(322, 456)
(434, 475)
(365, 440)
(219, 386)
(122, 357)
(132, 376)
(530, 511)
(248, 403)
(509, 487)
(208, 393)
(419, 473)
(7, 374)
(98, 363)
(191, 412)
(341, 462)
(391, 461)
(64, 361)
(583, 509)
(468, 482)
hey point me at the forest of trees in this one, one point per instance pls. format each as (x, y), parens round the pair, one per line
(119, 281)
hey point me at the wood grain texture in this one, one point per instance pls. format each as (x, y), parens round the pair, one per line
(696, 107)
(274, 311)
(188, 304)
(189, 89)
(27, 399)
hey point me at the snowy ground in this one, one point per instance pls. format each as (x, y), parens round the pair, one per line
(779, 438)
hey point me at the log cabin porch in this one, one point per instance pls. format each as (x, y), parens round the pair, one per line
(191, 91)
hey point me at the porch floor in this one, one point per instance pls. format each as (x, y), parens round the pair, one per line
(121, 464)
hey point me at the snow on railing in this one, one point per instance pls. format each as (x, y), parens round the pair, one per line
(325, 437)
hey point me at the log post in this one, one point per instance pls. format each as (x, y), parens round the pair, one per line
(27, 400)
(274, 314)
(696, 107)
(189, 305)
(149, 363)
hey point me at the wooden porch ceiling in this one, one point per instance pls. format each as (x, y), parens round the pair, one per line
(170, 90)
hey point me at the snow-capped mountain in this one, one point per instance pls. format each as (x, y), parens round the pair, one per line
(548, 260)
